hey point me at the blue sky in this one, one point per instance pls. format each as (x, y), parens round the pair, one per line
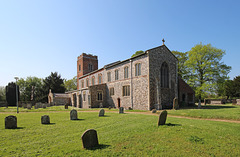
(41, 36)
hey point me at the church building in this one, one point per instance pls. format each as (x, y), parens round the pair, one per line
(144, 82)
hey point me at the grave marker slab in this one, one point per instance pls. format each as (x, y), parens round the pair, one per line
(162, 118)
(154, 111)
(90, 139)
(11, 122)
(101, 113)
(121, 110)
(73, 115)
(45, 119)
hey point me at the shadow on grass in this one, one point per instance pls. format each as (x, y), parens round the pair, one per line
(170, 124)
(100, 146)
(207, 107)
(77, 119)
(49, 124)
(105, 116)
(18, 128)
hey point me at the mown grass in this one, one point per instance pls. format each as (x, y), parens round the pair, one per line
(119, 135)
(210, 111)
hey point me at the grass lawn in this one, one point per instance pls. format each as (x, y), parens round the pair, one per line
(210, 111)
(119, 135)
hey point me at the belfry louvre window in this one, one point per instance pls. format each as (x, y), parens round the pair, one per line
(126, 72)
(109, 76)
(99, 96)
(111, 91)
(164, 75)
(116, 74)
(126, 90)
(90, 67)
(79, 67)
(138, 69)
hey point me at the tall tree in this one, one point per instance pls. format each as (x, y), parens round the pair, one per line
(182, 69)
(206, 68)
(30, 89)
(2, 93)
(236, 86)
(11, 94)
(71, 84)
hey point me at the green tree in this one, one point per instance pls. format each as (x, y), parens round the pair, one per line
(30, 89)
(11, 94)
(236, 86)
(206, 68)
(53, 82)
(137, 53)
(2, 94)
(71, 84)
(182, 69)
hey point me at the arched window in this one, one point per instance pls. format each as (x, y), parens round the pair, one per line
(99, 78)
(93, 81)
(164, 75)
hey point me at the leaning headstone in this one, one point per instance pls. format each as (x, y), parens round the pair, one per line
(44, 106)
(154, 111)
(45, 119)
(175, 103)
(66, 106)
(11, 122)
(121, 110)
(29, 106)
(89, 139)
(101, 113)
(162, 118)
(73, 115)
(234, 102)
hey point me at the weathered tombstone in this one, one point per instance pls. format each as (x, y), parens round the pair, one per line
(29, 106)
(44, 106)
(175, 103)
(66, 106)
(129, 108)
(73, 115)
(154, 111)
(11, 122)
(36, 106)
(101, 113)
(45, 119)
(109, 107)
(121, 110)
(234, 102)
(162, 118)
(89, 139)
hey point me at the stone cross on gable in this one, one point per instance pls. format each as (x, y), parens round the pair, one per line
(163, 41)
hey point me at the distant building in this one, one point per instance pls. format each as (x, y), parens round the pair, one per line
(146, 81)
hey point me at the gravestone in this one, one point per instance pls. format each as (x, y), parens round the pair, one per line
(45, 119)
(36, 106)
(175, 103)
(29, 106)
(234, 102)
(44, 106)
(66, 106)
(11, 122)
(24, 105)
(154, 111)
(121, 110)
(73, 115)
(162, 118)
(101, 113)
(89, 139)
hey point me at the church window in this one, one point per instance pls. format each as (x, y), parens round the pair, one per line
(164, 75)
(99, 79)
(87, 83)
(82, 83)
(138, 69)
(116, 74)
(79, 67)
(93, 80)
(99, 96)
(84, 97)
(126, 90)
(90, 67)
(111, 91)
(109, 76)
(126, 72)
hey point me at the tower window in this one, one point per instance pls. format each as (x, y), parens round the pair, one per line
(164, 75)
(90, 67)
(116, 74)
(126, 90)
(99, 96)
(79, 67)
(109, 76)
(126, 72)
(93, 80)
(138, 69)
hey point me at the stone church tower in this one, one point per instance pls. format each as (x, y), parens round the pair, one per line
(86, 63)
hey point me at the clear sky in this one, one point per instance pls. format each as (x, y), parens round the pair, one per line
(38, 37)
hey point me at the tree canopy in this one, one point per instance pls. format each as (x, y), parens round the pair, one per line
(182, 69)
(2, 93)
(137, 53)
(206, 69)
(71, 84)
